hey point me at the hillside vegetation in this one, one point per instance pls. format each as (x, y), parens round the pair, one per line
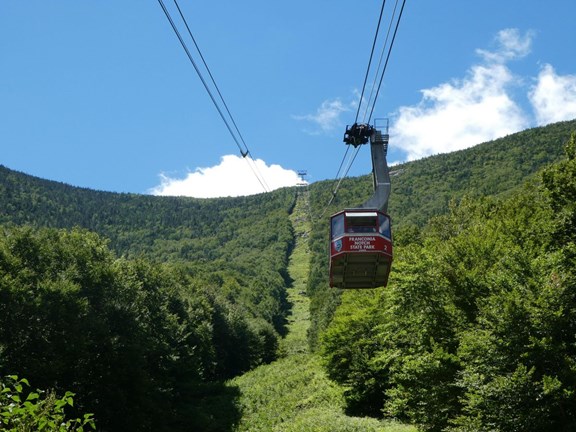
(426, 188)
(167, 313)
(476, 330)
(199, 297)
(293, 393)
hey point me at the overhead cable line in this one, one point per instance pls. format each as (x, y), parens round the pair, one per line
(211, 76)
(341, 165)
(244, 151)
(373, 86)
(373, 95)
(370, 60)
(339, 181)
(387, 59)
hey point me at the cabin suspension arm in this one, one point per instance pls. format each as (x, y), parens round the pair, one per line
(359, 134)
(380, 172)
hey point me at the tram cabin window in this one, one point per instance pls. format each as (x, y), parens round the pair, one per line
(384, 225)
(364, 222)
(337, 225)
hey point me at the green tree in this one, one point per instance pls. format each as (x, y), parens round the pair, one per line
(22, 410)
(476, 330)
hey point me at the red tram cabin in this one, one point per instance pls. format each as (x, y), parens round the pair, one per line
(360, 249)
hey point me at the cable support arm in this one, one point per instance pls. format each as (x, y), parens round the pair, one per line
(380, 172)
(359, 134)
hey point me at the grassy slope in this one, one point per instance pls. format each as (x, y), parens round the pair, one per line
(293, 393)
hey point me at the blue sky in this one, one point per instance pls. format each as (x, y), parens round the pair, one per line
(100, 94)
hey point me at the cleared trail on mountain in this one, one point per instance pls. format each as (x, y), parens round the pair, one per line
(293, 393)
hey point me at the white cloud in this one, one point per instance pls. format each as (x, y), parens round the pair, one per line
(483, 105)
(469, 111)
(327, 116)
(234, 176)
(553, 97)
(511, 46)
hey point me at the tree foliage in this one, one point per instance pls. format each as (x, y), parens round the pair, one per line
(427, 188)
(143, 305)
(22, 410)
(476, 330)
(134, 336)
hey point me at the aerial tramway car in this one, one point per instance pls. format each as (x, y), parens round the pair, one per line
(360, 249)
(361, 238)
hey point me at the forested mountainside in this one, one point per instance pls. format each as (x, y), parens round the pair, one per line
(144, 305)
(192, 292)
(425, 188)
(162, 228)
(177, 227)
(477, 327)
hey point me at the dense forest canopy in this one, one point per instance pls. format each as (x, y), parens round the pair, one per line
(138, 303)
(477, 328)
(145, 305)
(426, 188)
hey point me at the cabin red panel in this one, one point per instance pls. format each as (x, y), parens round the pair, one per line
(361, 244)
(360, 249)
